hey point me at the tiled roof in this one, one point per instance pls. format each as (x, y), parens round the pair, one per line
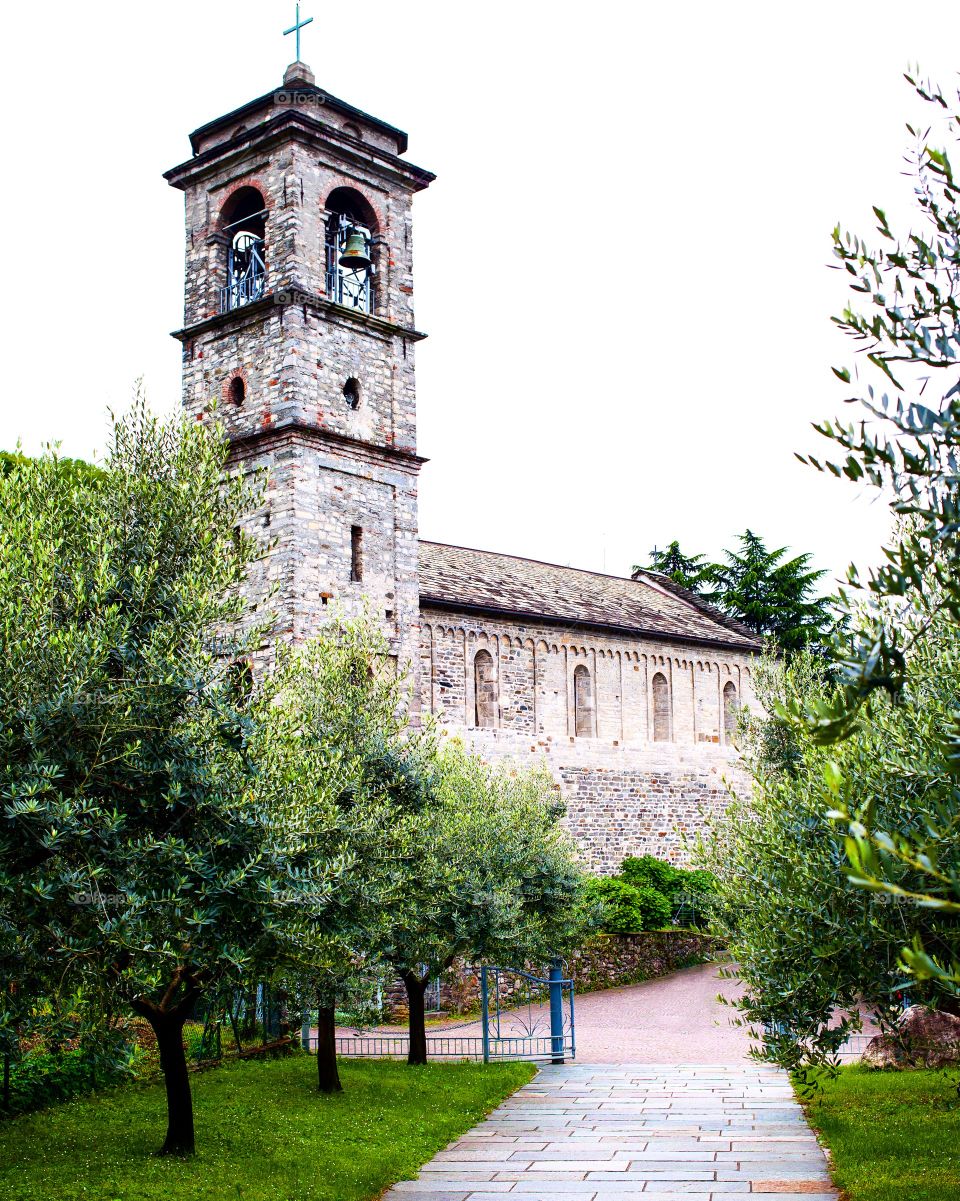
(458, 577)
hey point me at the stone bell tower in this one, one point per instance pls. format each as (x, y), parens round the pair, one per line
(299, 330)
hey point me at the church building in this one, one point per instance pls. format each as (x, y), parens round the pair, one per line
(299, 329)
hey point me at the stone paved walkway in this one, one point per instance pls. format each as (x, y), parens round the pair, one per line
(591, 1132)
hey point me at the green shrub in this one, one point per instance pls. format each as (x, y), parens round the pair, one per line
(625, 908)
(646, 871)
(655, 908)
(44, 1078)
(690, 893)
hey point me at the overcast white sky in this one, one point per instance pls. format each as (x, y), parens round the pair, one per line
(621, 266)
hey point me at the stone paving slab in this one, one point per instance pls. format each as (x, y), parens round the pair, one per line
(594, 1132)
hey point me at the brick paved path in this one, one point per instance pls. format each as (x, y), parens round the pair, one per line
(593, 1132)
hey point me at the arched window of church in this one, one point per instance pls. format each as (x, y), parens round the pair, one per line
(584, 710)
(486, 700)
(243, 223)
(731, 708)
(351, 229)
(661, 708)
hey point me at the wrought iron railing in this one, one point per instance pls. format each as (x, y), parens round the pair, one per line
(396, 1046)
(522, 1016)
(518, 1007)
(243, 287)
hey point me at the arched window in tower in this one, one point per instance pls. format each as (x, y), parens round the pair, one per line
(584, 711)
(485, 690)
(238, 390)
(351, 228)
(243, 222)
(731, 708)
(661, 708)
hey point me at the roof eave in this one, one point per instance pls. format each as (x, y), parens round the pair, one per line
(746, 646)
(334, 102)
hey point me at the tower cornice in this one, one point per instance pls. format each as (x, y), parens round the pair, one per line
(235, 319)
(244, 446)
(295, 124)
(296, 92)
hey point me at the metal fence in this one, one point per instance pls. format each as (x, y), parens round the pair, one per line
(854, 1047)
(396, 1046)
(522, 1016)
(440, 1046)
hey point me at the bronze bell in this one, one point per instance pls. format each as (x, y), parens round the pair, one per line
(355, 257)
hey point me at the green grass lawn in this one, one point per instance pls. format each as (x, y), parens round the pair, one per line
(894, 1136)
(264, 1133)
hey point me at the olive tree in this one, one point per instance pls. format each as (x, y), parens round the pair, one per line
(139, 859)
(841, 876)
(905, 321)
(339, 728)
(811, 951)
(489, 873)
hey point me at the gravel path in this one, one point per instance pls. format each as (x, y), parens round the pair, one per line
(674, 1019)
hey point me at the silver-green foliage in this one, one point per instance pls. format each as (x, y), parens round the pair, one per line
(810, 948)
(491, 873)
(141, 857)
(905, 319)
(339, 756)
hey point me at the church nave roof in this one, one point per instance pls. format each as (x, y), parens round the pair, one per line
(651, 604)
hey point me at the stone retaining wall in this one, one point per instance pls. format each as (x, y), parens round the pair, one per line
(612, 960)
(604, 961)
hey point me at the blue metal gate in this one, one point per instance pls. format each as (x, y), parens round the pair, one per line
(526, 1016)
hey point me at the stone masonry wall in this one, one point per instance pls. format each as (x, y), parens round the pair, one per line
(315, 493)
(331, 464)
(604, 961)
(626, 794)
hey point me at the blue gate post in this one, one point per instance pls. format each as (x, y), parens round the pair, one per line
(485, 1011)
(556, 1011)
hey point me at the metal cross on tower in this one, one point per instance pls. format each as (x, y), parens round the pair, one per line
(295, 28)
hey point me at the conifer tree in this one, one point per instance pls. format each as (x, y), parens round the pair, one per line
(692, 572)
(772, 595)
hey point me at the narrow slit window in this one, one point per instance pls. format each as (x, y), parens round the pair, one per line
(356, 553)
(662, 716)
(731, 709)
(485, 689)
(583, 706)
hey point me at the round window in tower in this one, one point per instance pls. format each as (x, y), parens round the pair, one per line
(351, 393)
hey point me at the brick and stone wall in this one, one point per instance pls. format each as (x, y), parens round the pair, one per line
(626, 793)
(613, 960)
(327, 408)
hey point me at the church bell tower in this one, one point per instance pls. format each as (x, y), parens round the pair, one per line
(299, 332)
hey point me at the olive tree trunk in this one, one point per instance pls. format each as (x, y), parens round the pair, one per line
(328, 1077)
(167, 1019)
(416, 987)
